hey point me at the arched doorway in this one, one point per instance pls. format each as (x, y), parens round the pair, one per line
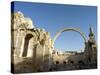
(26, 44)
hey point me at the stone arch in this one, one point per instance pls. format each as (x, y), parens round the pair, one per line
(68, 29)
(26, 43)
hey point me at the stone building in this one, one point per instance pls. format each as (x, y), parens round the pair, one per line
(77, 60)
(32, 49)
(31, 46)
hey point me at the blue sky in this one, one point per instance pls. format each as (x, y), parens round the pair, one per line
(53, 17)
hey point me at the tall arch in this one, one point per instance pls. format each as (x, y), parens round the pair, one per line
(26, 44)
(68, 29)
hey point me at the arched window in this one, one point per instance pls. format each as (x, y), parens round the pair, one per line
(27, 38)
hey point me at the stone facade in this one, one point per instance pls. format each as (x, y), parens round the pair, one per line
(29, 44)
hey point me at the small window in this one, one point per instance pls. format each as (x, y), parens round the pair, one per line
(72, 62)
(57, 62)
